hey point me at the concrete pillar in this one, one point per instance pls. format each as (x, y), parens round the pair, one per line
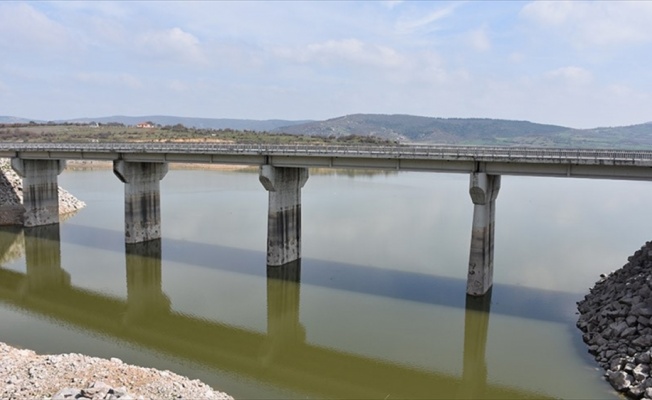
(40, 189)
(284, 212)
(145, 294)
(43, 258)
(142, 198)
(484, 190)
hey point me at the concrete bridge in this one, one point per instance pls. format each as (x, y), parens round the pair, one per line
(284, 171)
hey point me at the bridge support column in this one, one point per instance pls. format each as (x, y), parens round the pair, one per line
(284, 212)
(40, 189)
(142, 198)
(484, 190)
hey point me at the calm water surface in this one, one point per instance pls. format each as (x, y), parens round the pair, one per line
(375, 309)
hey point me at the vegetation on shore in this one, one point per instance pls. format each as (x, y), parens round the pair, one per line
(351, 129)
(117, 132)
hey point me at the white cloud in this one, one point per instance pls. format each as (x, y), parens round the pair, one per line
(173, 44)
(571, 75)
(25, 28)
(479, 39)
(391, 4)
(346, 51)
(412, 24)
(109, 79)
(600, 23)
(177, 86)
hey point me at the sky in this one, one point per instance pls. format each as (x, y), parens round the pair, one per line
(577, 64)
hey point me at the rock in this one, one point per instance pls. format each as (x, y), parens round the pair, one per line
(66, 394)
(35, 376)
(620, 380)
(641, 372)
(618, 328)
(615, 318)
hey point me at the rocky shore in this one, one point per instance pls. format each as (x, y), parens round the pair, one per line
(27, 375)
(616, 318)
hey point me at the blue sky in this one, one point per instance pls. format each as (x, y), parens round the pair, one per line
(579, 64)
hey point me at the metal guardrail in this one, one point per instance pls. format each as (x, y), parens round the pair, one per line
(426, 152)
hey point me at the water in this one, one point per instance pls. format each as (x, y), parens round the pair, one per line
(376, 308)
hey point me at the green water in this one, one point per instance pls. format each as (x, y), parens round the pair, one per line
(375, 309)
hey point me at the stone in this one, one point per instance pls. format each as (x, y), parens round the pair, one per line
(643, 358)
(635, 391)
(66, 394)
(629, 331)
(641, 372)
(620, 380)
(643, 342)
(618, 328)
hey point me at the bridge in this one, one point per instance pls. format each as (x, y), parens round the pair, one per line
(284, 171)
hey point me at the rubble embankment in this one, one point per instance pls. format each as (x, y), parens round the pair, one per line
(616, 318)
(27, 375)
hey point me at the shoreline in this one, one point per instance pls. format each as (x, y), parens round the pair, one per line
(84, 165)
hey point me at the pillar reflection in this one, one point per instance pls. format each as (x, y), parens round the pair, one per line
(284, 328)
(476, 326)
(145, 295)
(43, 258)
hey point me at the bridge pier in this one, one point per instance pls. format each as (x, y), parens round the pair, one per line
(40, 189)
(284, 212)
(483, 190)
(142, 198)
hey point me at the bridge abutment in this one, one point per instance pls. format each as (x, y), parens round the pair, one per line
(483, 190)
(142, 198)
(40, 189)
(284, 212)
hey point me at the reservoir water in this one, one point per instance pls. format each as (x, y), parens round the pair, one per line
(375, 309)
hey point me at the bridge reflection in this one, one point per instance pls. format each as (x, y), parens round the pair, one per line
(281, 357)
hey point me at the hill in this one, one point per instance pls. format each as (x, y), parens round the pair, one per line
(476, 131)
(201, 123)
(190, 122)
(412, 129)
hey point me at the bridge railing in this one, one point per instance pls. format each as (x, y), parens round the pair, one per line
(398, 151)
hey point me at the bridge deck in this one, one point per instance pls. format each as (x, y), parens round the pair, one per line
(580, 163)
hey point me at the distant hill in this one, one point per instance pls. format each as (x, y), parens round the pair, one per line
(476, 131)
(423, 129)
(212, 123)
(5, 119)
(415, 129)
